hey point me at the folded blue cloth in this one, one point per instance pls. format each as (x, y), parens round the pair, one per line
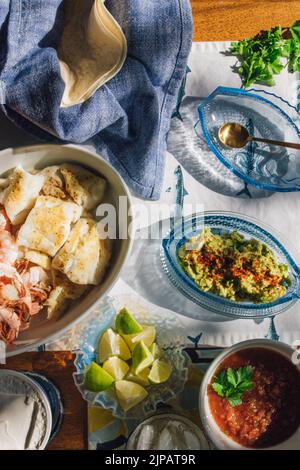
(128, 118)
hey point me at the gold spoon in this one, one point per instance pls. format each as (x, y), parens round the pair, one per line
(236, 136)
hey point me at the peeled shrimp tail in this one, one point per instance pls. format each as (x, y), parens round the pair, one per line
(39, 295)
(21, 266)
(9, 325)
(8, 248)
(7, 334)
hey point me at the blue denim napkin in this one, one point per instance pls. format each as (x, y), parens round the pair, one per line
(128, 118)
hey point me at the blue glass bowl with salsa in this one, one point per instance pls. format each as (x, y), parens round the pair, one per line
(264, 115)
(221, 223)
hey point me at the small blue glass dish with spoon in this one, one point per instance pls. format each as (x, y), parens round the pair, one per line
(263, 115)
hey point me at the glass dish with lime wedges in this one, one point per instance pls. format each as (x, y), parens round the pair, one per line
(130, 364)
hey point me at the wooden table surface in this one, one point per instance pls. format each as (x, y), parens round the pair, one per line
(225, 20)
(58, 367)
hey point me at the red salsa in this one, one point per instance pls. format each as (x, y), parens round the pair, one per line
(270, 412)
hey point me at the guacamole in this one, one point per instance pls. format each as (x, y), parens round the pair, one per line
(233, 267)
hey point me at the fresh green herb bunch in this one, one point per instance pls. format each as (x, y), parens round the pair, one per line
(232, 384)
(267, 54)
(293, 47)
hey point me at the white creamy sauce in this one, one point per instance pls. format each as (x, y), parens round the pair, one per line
(6, 441)
(22, 415)
(16, 418)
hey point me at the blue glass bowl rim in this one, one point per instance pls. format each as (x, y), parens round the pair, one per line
(83, 358)
(227, 91)
(185, 279)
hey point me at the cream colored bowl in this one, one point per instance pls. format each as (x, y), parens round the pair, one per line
(220, 440)
(42, 330)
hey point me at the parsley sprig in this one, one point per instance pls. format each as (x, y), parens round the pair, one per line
(294, 48)
(232, 384)
(267, 54)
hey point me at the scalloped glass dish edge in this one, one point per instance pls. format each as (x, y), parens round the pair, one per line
(215, 303)
(157, 394)
(229, 91)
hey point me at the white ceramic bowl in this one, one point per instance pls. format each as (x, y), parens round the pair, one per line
(220, 440)
(42, 330)
(166, 419)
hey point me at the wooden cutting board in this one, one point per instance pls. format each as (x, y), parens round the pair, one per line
(58, 367)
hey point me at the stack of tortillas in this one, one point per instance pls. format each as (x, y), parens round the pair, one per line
(92, 50)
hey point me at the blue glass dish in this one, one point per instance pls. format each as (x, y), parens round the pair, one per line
(221, 222)
(266, 115)
(168, 341)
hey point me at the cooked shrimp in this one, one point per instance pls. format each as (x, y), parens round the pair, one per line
(9, 325)
(24, 288)
(35, 275)
(4, 220)
(14, 295)
(12, 286)
(22, 266)
(39, 296)
(37, 281)
(8, 248)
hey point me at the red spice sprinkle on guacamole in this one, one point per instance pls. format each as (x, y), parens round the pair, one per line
(233, 267)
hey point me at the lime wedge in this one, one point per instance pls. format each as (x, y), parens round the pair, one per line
(160, 372)
(141, 378)
(141, 358)
(112, 344)
(126, 324)
(116, 367)
(147, 336)
(155, 351)
(129, 394)
(97, 379)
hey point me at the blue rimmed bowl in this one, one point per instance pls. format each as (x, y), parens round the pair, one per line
(264, 115)
(171, 351)
(224, 222)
